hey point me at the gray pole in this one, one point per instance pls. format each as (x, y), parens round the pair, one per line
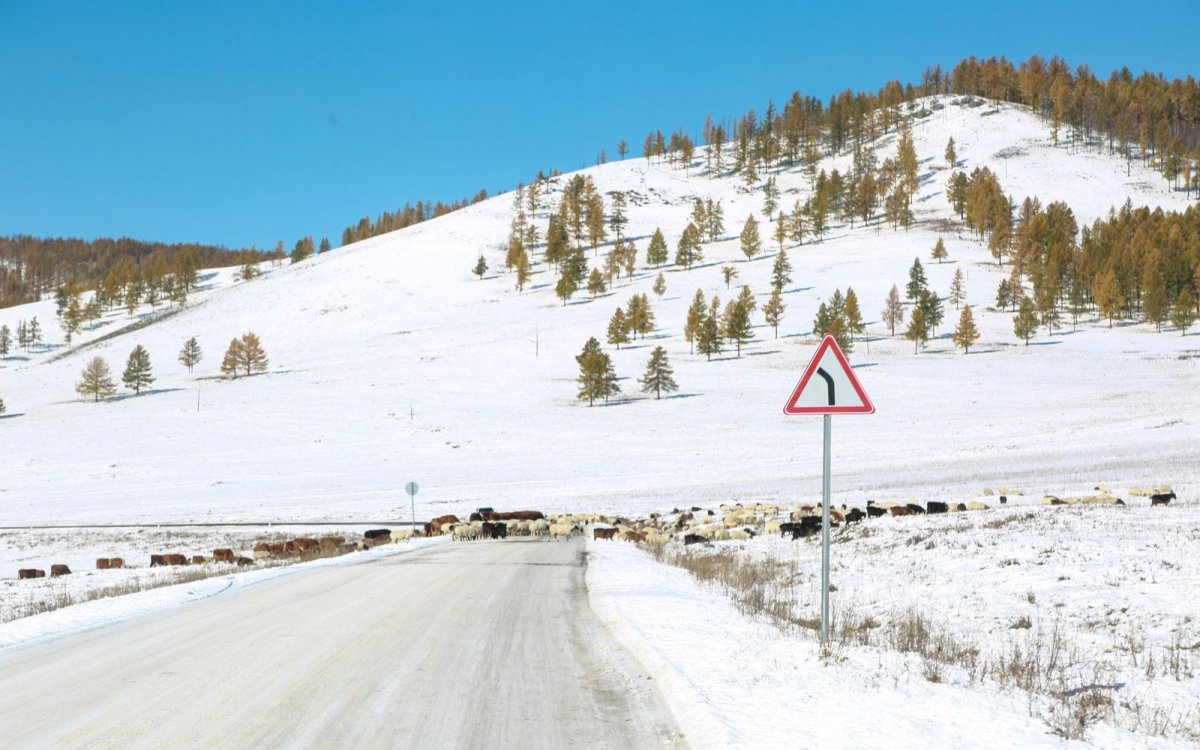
(825, 540)
(412, 501)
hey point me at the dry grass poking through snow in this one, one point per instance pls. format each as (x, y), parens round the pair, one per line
(1088, 611)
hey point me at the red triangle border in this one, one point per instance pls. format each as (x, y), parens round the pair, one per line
(828, 342)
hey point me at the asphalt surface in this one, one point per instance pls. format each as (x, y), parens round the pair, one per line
(459, 645)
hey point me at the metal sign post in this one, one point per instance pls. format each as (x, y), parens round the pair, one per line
(833, 390)
(411, 488)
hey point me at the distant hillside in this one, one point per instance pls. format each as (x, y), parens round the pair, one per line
(31, 267)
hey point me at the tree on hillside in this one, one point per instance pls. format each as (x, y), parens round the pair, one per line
(1107, 294)
(656, 252)
(1025, 323)
(729, 273)
(1004, 295)
(957, 289)
(773, 310)
(708, 337)
(931, 306)
(523, 272)
(781, 229)
(481, 267)
(137, 373)
(714, 216)
(660, 285)
(5, 340)
(72, 319)
(324, 247)
(781, 271)
(735, 323)
(965, 333)
(302, 249)
(750, 241)
(190, 354)
(695, 318)
(246, 354)
(687, 251)
(639, 315)
(618, 328)
(566, 286)
(597, 378)
(853, 315)
(1183, 313)
(3, 408)
(595, 283)
(658, 375)
(770, 197)
(916, 281)
(939, 251)
(917, 332)
(951, 154)
(893, 310)
(96, 380)
(617, 219)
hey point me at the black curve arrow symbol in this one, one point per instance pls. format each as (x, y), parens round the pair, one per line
(828, 382)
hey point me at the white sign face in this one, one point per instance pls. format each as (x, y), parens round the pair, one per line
(829, 385)
(411, 488)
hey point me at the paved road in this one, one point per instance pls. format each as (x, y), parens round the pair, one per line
(467, 645)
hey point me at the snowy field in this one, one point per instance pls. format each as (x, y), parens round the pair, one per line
(391, 362)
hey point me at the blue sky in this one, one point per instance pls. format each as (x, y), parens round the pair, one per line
(241, 123)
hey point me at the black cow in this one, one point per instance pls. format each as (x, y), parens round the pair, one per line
(933, 506)
(689, 539)
(1162, 498)
(854, 515)
(373, 533)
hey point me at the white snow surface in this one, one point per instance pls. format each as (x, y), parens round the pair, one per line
(391, 362)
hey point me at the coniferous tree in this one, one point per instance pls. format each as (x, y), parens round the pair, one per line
(708, 337)
(656, 252)
(96, 380)
(916, 281)
(1183, 312)
(137, 373)
(523, 271)
(5, 340)
(729, 273)
(595, 283)
(659, 375)
(245, 353)
(3, 408)
(301, 251)
(617, 219)
(853, 315)
(480, 268)
(191, 354)
(660, 285)
(1004, 295)
(694, 320)
(687, 252)
(566, 286)
(1107, 294)
(893, 310)
(781, 271)
(939, 251)
(639, 315)
(781, 229)
(735, 324)
(1155, 305)
(72, 320)
(618, 328)
(931, 305)
(957, 289)
(715, 219)
(917, 332)
(324, 247)
(965, 333)
(35, 331)
(796, 225)
(558, 241)
(1025, 323)
(951, 154)
(773, 310)
(770, 197)
(597, 378)
(750, 241)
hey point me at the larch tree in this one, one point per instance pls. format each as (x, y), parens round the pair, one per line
(687, 252)
(660, 285)
(1004, 295)
(965, 333)
(729, 273)
(96, 380)
(566, 286)
(595, 283)
(639, 314)
(773, 310)
(1107, 294)
(770, 197)
(750, 242)
(781, 271)
(780, 229)
(957, 288)
(659, 376)
(917, 332)
(916, 281)
(735, 324)
(138, 374)
(3, 408)
(853, 315)
(951, 154)
(694, 320)
(708, 337)
(597, 378)
(1025, 323)
(190, 354)
(618, 328)
(656, 252)
(939, 251)
(714, 215)
(523, 271)
(1183, 312)
(893, 310)
(931, 306)
(5, 340)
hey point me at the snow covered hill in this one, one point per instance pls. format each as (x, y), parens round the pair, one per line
(391, 362)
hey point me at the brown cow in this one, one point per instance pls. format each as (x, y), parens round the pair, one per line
(30, 573)
(223, 555)
(175, 559)
(156, 560)
(598, 533)
(59, 570)
(900, 510)
(635, 536)
(279, 549)
(116, 562)
(199, 559)
(101, 563)
(261, 550)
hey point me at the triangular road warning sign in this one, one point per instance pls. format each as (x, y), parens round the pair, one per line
(829, 386)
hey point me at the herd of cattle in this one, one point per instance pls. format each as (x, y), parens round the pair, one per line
(693, 526)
